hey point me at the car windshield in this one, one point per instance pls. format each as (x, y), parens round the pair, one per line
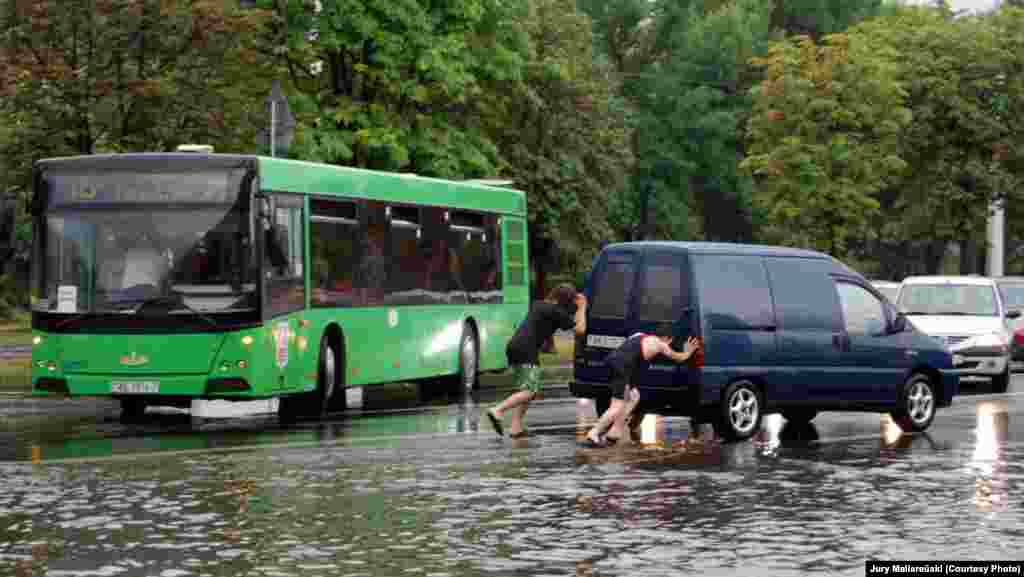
(948, 299)
(122, 254)
(1013, 294)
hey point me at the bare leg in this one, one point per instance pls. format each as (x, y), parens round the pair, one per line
(519, 416)
(609, 416)
(619, 428)
(513, 400)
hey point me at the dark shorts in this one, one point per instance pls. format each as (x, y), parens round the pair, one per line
(620, 380)
(518, 357)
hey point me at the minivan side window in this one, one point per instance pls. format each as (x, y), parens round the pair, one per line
(734, 293)
(863, 312)
(662, 289)
(613, 286)
(804, 293)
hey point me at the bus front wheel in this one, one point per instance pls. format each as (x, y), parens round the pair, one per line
(132, 409)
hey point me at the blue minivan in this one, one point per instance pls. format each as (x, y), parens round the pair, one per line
(784, 330)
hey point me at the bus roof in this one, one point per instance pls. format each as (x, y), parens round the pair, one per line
(286, 175)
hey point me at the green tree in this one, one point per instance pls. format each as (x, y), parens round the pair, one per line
(563, 134)
(824, 138)
(399, 85)
(817, 18)
(960, 79)
(694, 106)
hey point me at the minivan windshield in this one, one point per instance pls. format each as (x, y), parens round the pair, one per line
(948, 299)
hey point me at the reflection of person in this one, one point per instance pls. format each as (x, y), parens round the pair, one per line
(143, 264)
(632, 355)
(564, 309)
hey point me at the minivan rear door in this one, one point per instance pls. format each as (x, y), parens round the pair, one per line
(663, 297)
(609, 292)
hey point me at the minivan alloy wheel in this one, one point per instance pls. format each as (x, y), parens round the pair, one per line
(920, 402)
(743, 409)
(739, 415)
(917, 404)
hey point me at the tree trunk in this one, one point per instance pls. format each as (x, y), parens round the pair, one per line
(933, 254)
(968, 250)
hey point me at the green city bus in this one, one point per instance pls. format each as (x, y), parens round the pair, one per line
(160, 278)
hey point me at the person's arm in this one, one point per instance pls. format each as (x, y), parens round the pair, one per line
(679, 356)
(581, 314)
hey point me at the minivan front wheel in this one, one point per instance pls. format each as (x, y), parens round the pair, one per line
(917, 404)
(739, 415)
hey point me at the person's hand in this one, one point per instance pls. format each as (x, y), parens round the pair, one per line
(581, 300)
(692, 344)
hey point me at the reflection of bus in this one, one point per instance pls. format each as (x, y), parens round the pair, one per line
(163, 278)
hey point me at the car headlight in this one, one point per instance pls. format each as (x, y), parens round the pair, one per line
(990, 343)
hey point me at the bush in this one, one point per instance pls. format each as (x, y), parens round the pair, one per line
(9, 296)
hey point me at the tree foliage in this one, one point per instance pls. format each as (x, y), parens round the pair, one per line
(824, 139)
(399, 85)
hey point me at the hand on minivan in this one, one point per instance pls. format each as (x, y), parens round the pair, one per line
(691, 346)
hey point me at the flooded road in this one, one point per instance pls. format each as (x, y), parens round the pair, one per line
(415, 487)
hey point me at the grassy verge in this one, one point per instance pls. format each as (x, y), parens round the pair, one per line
(17, 331)
(15, 374)
(563, 354)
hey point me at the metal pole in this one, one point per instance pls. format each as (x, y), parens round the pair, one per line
(273, 123)
(996, 238)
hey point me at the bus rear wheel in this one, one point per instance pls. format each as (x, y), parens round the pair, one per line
(465, 380)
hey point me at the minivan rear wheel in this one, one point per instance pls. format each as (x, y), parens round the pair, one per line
(739, 414)
(917, 404)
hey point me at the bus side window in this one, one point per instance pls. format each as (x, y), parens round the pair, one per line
(284, 255)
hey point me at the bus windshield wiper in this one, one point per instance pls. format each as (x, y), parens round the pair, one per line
(174, 299)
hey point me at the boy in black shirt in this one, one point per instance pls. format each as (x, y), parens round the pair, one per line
(633, 354)
(564, 309)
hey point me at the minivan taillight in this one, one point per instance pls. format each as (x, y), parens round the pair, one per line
(697, 360)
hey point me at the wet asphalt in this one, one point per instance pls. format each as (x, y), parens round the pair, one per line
(405, 483)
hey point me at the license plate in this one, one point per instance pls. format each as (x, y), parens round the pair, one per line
(604, 341)
(135, 387)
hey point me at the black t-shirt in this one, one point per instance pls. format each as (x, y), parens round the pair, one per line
(542, 322)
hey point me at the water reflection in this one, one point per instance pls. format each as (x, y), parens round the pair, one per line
(988, 460)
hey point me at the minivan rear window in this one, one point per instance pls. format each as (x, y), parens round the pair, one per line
(613, 286)
(662, 289)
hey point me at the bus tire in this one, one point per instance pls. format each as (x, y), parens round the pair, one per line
(132, 409)
(467, 380)
(328, 388)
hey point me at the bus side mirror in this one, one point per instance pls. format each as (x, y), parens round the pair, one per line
(1013, 314)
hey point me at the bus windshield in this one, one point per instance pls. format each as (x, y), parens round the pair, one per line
(129, 241)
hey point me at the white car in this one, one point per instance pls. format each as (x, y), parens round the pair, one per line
(969, 316)
(888, 288)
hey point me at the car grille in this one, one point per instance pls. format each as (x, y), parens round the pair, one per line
(950, 340)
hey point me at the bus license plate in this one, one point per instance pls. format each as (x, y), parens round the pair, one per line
(604, 341)
(135, 387)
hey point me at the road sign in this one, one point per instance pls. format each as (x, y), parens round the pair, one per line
(281, 126)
